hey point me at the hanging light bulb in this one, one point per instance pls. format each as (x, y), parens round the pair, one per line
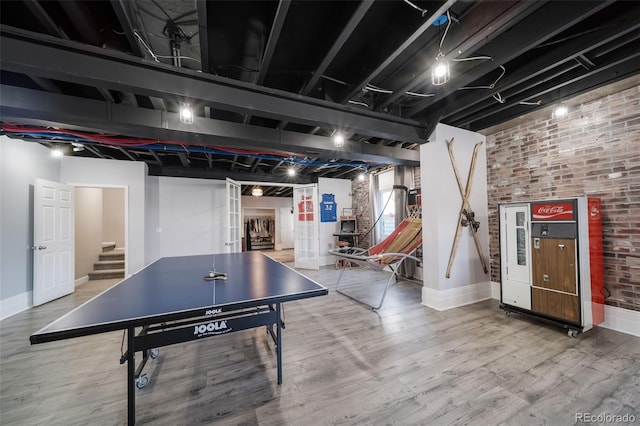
(291, 171)
(338, 140)
(361, 177)
(186, 114)
(257, 192)
(440, 71)
(560, 111)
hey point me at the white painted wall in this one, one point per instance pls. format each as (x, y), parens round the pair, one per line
(131, 174)
(441, 203)
(20, 164)
(341, 189)
(184, 217)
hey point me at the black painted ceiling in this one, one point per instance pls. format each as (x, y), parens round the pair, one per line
(271, 82)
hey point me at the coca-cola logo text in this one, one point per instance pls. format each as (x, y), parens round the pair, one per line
(550, 209)
(555, 211)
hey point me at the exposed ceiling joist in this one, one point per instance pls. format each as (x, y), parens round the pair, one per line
(507, 47)
(49, 57)
(98, 116)
(546, 61)
(269, 81)
(401, 49)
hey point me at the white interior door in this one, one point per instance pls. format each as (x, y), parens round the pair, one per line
(306, 248)
(53, 245)
(285, 216)
(233, 243)
(515, 248)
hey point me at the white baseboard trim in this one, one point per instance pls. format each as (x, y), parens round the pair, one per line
(15, 304)
(441, 300)
(82, 280)
(622, 320)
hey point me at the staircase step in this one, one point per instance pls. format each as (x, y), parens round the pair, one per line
(108, 246)
(117, 254)
(108, 274)
(108, 264)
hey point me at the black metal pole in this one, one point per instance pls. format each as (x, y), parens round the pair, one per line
(131, 377)
(279, 341)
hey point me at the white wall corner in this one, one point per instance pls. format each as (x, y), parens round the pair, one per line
(15, 304)
(495, 290)
(622, 320)
(442, 300)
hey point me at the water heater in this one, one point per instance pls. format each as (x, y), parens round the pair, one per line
(551, 264)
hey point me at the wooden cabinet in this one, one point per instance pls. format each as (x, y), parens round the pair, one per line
(555, 278)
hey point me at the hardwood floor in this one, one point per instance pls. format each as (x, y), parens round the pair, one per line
(343, 364)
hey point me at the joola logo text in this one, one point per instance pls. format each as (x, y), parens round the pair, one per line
(216, 327)
(213, 311)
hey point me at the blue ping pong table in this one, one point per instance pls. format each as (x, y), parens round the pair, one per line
(176, 299)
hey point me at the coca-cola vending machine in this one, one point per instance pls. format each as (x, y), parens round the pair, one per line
(551, 263)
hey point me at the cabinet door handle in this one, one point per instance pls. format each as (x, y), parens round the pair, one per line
(561, 246)
(536, 243)
(545, 278)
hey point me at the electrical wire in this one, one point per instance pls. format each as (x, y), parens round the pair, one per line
(360, 103)
(372, 88)
(491, 86)
(445, 30)
(473, 58)
(538, 102)
(423, 11)
(144, 44)
(420, 95)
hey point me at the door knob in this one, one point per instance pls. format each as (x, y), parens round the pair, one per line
(42, 247)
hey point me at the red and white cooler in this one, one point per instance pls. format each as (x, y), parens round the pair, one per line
(551, 261)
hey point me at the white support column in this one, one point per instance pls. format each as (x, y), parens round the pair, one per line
(441, 204)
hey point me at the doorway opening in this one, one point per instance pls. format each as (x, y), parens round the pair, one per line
(100, 233)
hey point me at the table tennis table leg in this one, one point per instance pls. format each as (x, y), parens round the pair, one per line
(279, 341)
(131, 377)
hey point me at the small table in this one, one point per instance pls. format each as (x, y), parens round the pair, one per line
(351, 237)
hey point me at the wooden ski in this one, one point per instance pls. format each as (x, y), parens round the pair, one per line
(466, 216)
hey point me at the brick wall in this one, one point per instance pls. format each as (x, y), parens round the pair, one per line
(362, 209)
(595, 152)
